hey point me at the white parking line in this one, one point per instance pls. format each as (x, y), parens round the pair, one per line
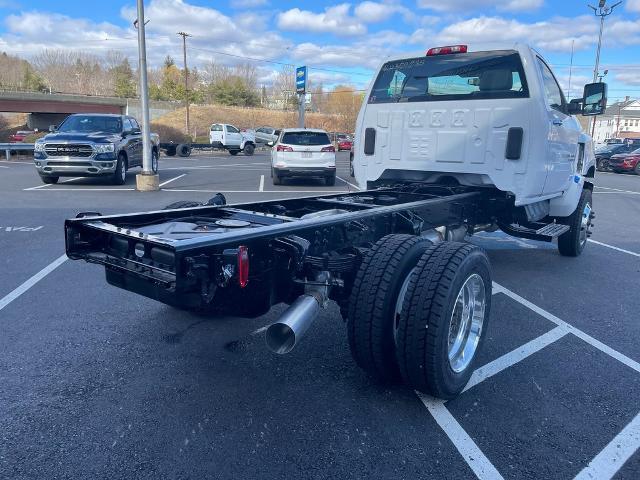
(515, 356)
(37, 187)
(618, 249)
(2, 166)
(7, 299)
(617, 190)
(348, 183)
(575, 331)
(81, 189)
(172, 180)
(261, 186)
(71, 179)
(11, 161)
(607, 463)
(472, 454)
(250, 191)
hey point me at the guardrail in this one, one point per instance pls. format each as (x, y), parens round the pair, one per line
(9, 147)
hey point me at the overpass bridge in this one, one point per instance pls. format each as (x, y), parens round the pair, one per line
(46, 109)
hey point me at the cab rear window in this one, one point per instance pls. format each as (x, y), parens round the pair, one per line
(305, 138)
(462, 76)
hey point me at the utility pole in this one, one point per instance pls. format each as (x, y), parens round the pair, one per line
(148, 180)
(601, 11)
(186, 78)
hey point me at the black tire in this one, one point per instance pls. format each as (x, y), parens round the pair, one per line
(170, 151)
(182, 204)
(372, 315)
(637, 169)
(572, 243)
(604, 165)
(249, 148)
(277, 179)
(183, 150)
(330, 181)
(154, 160)
(49, 179)
(234, 152)
(120, 174)
(351, 165)
(425, 323)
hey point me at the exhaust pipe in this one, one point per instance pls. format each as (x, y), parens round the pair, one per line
(283, 335)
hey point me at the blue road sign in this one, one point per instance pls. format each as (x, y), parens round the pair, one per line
(301, 79)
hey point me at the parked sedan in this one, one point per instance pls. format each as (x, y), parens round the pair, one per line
(626, 162)
(20, 135)
(345, 142)
(303, 152)
(604, 154)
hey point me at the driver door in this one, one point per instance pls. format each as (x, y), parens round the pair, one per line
(563, 132)
(234, 137)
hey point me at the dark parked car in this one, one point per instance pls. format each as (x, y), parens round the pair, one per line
(626, 162)
(604, 154)
(92, 144)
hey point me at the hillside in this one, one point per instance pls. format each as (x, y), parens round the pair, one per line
(170, 127)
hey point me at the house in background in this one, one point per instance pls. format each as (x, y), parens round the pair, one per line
(620, 120)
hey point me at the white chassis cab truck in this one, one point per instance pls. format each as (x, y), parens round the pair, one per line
(484, 117)
(448, 144)
(230, 138)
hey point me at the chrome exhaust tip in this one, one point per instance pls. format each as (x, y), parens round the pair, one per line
(283, 335)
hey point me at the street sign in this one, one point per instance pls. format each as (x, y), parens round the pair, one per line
(301, 80)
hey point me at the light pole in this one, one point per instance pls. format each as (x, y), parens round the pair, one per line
(601, 11)
(148, 180)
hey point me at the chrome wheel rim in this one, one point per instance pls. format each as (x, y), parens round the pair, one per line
(154, 163)
(585, 224)
(465, 324)
(123, 173)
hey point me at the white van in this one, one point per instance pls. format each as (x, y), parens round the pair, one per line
(480, 117)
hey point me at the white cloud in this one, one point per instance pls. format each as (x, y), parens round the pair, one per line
(632, 5)
(248, 3)
(373, 12)
(629, 78)
(464, 6)
(555, 34)
(336, 20)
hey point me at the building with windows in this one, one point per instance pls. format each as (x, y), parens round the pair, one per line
(620, 120)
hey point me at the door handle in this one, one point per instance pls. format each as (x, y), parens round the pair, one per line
(557, 123)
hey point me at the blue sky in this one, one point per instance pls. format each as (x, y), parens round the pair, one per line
(346, 39)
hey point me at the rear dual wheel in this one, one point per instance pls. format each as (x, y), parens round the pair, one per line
(418, 312)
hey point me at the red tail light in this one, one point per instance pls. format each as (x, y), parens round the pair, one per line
(448, 50)
(282, 148)
(243, 266)
(330, 148)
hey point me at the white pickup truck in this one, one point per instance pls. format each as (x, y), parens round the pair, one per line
(232, 139)
(495, 118)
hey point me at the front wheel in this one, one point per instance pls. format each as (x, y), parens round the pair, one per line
(572, 243)
(154, 161)
(602, 165)
(444, 319)
(49, 179)
(120, 175)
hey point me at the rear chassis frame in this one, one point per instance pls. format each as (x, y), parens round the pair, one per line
(286, 252)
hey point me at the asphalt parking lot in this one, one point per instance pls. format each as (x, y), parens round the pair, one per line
(97, 382)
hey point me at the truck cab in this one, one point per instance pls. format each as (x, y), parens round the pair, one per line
(230, 138)
(483, 117)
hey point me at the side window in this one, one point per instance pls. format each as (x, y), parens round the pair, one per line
(231, 129)
(126, 125)
(261, 130)
(555, 99)
(134, 122)
(216, 128)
